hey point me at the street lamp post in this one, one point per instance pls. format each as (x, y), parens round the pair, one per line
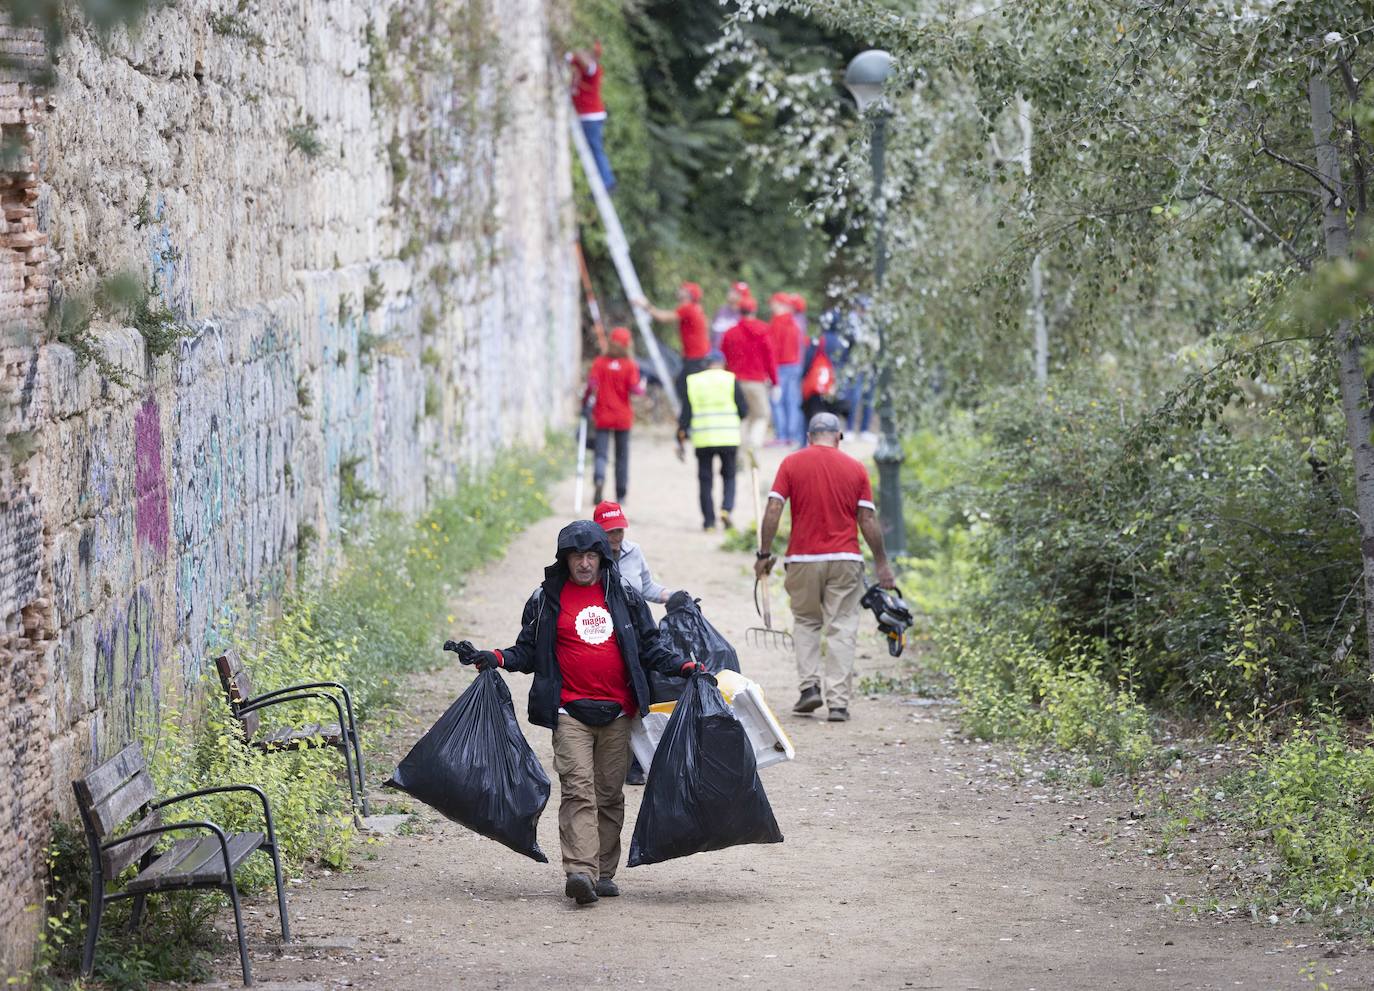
(867, 73)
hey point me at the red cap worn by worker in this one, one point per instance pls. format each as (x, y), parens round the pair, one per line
(780, 299)
(747, 304)
(693, 290)
(621, 336)
(741, 287)
(798, 302)
(609, 516)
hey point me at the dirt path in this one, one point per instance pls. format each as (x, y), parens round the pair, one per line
(909, 862)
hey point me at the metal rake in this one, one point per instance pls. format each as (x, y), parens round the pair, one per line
(764, 636)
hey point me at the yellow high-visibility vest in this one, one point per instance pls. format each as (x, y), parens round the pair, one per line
(715, 419)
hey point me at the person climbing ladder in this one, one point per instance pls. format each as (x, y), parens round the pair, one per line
(591, 111)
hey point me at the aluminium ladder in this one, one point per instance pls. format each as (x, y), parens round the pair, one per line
(620, 255)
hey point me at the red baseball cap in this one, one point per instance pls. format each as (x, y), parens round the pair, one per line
(747, 304)
(610, 516)
(799, 302)
(621, 336)
(781, 299)
(741, 287)
(693, 290)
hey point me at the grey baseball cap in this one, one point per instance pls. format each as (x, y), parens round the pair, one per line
(824, 423)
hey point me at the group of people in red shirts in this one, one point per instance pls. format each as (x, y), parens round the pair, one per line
(784, 375)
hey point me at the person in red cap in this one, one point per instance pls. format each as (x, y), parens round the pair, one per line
(613, 379)
(787, 348)
(729, 313)
(590, 110)
(691, 325)
(628, 556)
(748, 352)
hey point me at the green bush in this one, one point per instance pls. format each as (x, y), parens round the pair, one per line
(1313, 790)
(1009, 689)
(1214, 565)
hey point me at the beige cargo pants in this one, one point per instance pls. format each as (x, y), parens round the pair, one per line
(591, 762)
(825, 603)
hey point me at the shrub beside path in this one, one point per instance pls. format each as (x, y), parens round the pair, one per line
(913, 859)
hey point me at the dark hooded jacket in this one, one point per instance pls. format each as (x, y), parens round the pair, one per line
(635, 631)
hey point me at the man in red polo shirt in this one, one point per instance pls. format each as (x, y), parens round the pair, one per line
(749, 357)
(832, 502)
(613, 379)
(691, 325)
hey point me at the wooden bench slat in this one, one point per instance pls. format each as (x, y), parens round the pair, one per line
(288, 736)
(116, 860)
(110, 776)
(195, 860)
(120, 805)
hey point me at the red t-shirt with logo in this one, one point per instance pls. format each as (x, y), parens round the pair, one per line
(613, 379)
(587, 649)
(826, 488)
(691, 325)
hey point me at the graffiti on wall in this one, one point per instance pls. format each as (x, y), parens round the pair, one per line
(127, 674)
(150, 483)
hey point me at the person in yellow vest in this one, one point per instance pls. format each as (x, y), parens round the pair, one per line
(712, 405)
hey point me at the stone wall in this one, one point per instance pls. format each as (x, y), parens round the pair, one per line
(359, 212)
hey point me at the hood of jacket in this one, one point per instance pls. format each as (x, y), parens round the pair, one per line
(577, 537)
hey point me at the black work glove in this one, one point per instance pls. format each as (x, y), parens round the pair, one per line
(463, 648)
(679, 599)
(484, 659)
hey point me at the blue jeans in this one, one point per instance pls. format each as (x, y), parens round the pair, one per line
(787, 411)
(593, 129)
(859, 395)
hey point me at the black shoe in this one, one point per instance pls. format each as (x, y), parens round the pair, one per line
(579, 887)
(838, 716)
(596, 492)
(607, 888)
(809, 702)
(635, 775)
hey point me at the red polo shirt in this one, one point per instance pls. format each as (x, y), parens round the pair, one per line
(613, 379)
(691, 325)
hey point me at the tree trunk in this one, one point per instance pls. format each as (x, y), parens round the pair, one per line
(1039, 326)
(1355, 398)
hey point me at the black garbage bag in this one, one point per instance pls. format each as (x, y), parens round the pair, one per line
(475, 767)
(691, 635)
(703, 791)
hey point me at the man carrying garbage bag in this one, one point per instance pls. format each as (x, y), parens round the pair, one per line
(587, 637)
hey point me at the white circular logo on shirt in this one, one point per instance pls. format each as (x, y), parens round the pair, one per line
(593, 625)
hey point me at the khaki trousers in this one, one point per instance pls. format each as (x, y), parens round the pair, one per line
(825, 602)
(755, 425)
(591, 762)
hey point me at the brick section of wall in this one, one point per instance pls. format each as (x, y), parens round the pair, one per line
(27, 624)
(368, 232)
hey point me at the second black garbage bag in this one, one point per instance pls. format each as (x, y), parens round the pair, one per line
(475, 766)
(691, 635)
(704, 791)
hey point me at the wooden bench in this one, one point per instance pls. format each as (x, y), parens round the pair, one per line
(121, 789)
(342, 736)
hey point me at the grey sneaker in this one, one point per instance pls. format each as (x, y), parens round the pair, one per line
(579, 888)
(809, 702)
(607, 888)
(838, 716)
